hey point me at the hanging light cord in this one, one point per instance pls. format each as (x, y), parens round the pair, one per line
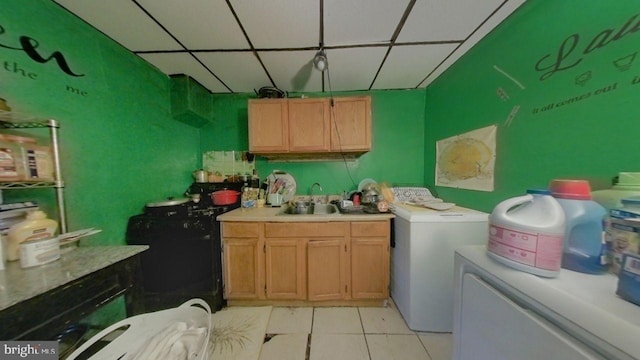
(335, 125)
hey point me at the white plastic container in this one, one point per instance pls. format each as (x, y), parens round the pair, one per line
(527, 233)
(35, 227)
(39, 252)
(627, 185)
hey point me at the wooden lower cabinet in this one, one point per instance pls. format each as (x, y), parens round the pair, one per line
(242, 260)
(327, 269)
(241, 268)
(285, 269)
(309, 262)
(369, 268)
(370, 259)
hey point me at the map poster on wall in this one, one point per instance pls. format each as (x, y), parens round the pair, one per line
(467, 160)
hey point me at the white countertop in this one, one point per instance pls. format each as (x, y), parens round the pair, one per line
(270, 214)
(18, 284)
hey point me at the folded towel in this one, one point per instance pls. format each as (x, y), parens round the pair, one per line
(178, 341)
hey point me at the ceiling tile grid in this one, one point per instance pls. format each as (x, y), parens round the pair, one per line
(198, 24)
(280, 23)
(124, 22)
(237, 46)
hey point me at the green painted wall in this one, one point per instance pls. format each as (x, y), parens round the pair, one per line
(579, 121)
(120, 146)
(397, 154)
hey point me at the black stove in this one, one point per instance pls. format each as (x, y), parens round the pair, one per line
(184, 256)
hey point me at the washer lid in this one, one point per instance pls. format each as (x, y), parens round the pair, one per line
(419, 214)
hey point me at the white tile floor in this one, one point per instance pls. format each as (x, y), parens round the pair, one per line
(348, 333)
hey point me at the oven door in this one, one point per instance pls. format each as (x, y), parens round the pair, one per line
(183, 260)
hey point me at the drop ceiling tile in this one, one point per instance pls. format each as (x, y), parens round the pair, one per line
(407, 65)
(200, 24)
(124, 22)
(354, 68)
(182, 63)
(507, 9)
(357, 22)
(241, 71)
(280, 23)
(292, 70)
(446, 20)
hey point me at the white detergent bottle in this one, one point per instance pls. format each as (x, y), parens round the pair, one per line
(35, 226)
(527, 233)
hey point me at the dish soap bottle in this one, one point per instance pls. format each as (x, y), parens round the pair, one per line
(36, 226)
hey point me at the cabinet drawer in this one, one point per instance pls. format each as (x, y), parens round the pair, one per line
(240, 229)
(304, 230)
(370, 228)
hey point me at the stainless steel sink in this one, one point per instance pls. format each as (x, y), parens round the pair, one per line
(325, 209)
(310, 209)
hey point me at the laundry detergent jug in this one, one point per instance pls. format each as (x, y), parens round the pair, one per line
(584, 247)
(527, 233)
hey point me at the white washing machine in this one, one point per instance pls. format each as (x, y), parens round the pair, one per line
(422, 269)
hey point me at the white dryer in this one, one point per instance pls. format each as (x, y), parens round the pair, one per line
(422, 269)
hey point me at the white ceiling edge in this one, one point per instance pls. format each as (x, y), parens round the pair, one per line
(493, 22)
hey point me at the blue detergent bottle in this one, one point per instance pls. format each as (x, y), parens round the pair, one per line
(584, 248)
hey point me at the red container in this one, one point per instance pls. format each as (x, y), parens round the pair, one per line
(225, 197)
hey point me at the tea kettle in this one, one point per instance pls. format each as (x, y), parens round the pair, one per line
(201, 175)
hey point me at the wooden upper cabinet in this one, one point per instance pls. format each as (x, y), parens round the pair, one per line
(268, 125)
(309, 121)
(351, 124)
(310, 126)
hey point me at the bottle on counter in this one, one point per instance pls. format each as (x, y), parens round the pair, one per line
(36, 226)
(527, 233)
(584, 245)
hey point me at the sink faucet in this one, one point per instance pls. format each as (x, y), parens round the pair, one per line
(313, 186)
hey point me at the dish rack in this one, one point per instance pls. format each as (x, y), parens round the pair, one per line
(140, 331)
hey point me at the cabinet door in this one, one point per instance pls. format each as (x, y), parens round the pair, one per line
(494, 327)
(351, 124)
(369, 268)
(285, 268)
(309, 121)
(268, 125)
(241, 268)
(326, 274)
